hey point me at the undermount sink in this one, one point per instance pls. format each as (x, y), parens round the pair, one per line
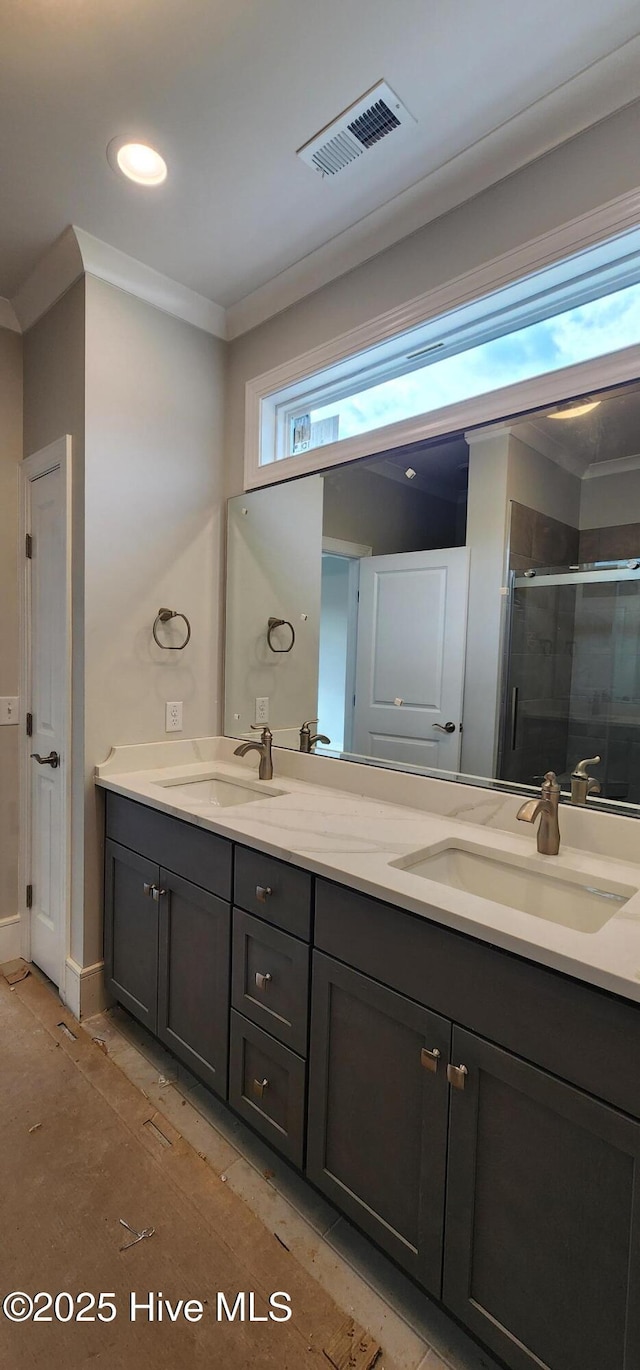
(218, 791)
(566, 897)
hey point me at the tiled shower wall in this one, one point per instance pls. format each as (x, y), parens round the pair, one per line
(575, 658)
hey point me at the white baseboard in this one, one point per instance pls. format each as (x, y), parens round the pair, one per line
(10, 941)
(84, 991)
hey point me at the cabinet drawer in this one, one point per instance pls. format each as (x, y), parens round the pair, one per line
(270, 979)
(267, 1086)
(576, 1031)
(196, 855)
(273, 890)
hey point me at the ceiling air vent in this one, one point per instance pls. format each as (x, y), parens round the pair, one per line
(376, 114)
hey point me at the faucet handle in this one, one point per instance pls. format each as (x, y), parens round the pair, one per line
(309, 723)
(261, 728)
(550, 781)
(580, 772)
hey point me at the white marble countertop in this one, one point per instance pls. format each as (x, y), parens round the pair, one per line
(352, 837)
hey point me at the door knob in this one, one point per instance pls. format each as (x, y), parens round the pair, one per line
(52, 760)
(444, 727)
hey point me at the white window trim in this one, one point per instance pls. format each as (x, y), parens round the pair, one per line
(608, 221)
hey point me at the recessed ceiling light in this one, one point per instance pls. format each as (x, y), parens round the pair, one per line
(573, 411)
(137, 161)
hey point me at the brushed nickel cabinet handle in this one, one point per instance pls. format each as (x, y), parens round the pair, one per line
(157, 893)
(263, 980)
(456, 1075)
(148, 889)
(259, 1087)
(429, 1059)
(263, 892)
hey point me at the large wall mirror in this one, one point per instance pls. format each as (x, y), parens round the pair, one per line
(468, 605)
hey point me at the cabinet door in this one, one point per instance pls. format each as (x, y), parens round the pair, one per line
(378, 1113)
(193, 982)
(542, 1236)
(131, 932)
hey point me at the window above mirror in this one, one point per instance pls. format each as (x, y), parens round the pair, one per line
(573, 312)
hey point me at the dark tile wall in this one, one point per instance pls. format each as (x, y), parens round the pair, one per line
(610, 544)
(537, 540)
(541, 646)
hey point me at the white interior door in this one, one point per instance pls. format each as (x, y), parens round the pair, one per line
(47, 701)
(412, 627)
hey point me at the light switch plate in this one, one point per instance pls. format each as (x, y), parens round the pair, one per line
(173, 716)
(9, 709)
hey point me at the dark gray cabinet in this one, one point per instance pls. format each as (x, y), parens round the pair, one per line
(131, 932)
(267, 1086)
(542, 1233)
(271, 979)
(378, 1102)
(509, 1190)
(193, 978)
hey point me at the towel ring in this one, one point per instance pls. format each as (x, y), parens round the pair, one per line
(163, 616)
(280, 623)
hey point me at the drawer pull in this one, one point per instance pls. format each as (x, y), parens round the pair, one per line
(157, 893)
(263, 892)
(263, 980)
(429, 1059)
(456, 1075)
(259, 1087)
(148, 888)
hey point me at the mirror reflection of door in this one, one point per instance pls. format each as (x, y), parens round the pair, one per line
(410, 658)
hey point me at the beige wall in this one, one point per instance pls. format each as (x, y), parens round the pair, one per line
(141, 394)
(53, 406)
(153, 536)
(10, 455)
(271, 532)
(610, 500)
(591, 169)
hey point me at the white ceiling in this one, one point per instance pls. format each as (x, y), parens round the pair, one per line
(227, 90)
(605, 439)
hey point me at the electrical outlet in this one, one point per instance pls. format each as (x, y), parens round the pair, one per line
(262, 709)
(173, 716)
(9, 710)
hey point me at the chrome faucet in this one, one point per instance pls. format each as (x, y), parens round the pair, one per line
(308, 739)
(265, 769)
(583, 784)
(546, 808)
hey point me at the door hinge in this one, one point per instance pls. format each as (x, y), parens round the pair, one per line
(29, 900)
(28, 546)
(29, 725)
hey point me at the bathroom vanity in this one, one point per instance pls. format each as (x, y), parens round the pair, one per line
(468, 1095)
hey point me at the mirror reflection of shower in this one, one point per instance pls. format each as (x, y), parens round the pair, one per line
(573, 674)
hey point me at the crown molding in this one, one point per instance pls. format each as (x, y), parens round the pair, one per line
(76, 253)
(8, 316)
(56, 271)
(588, 98)
(616, 467)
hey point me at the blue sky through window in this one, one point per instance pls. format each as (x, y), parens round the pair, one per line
(578, 335)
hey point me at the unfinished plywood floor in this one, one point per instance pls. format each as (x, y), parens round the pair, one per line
(92, 1159)
(103, 1149)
